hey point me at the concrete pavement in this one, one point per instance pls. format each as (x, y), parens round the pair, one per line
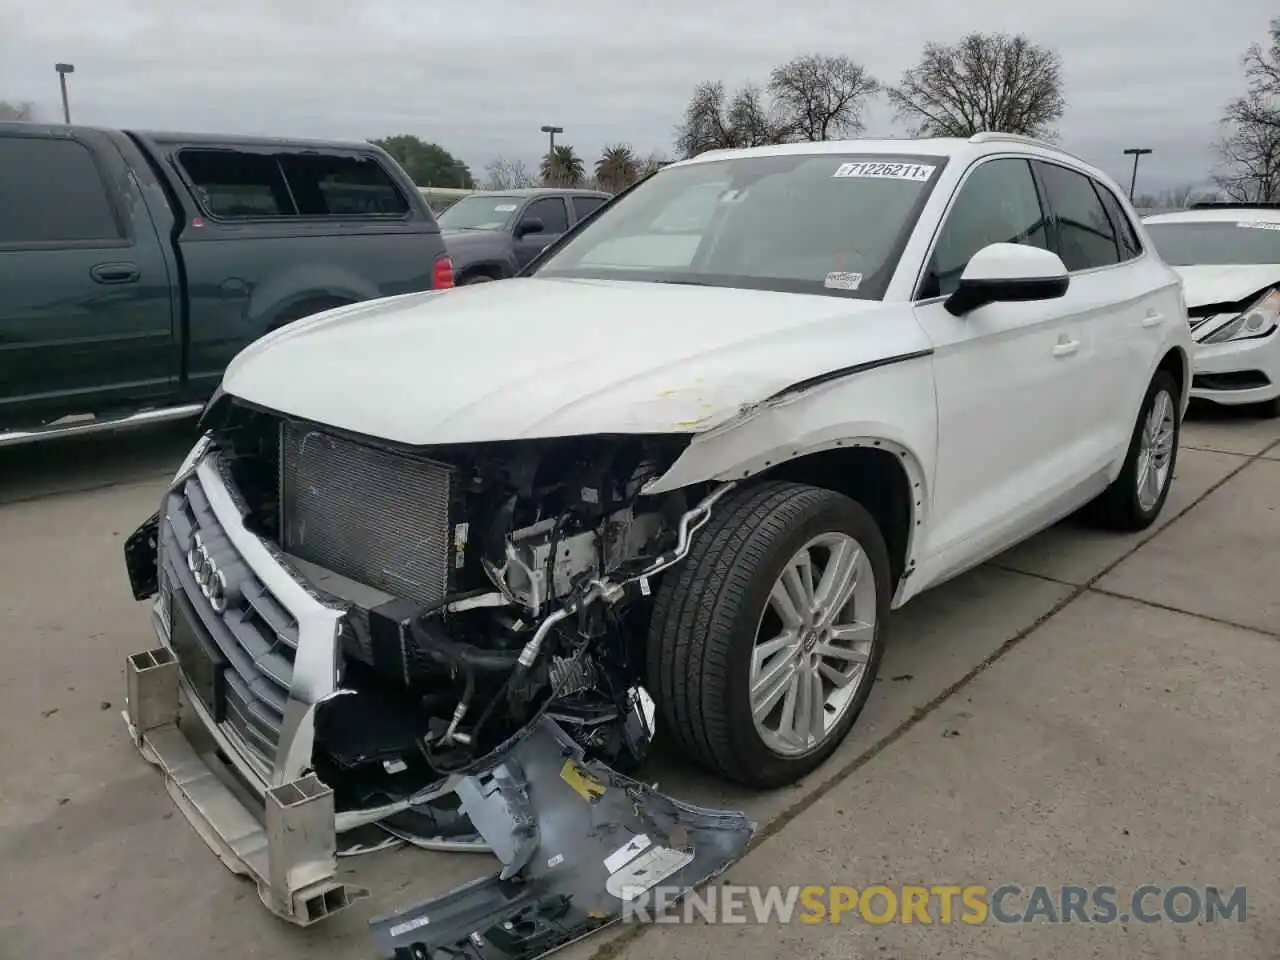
(1075, 708)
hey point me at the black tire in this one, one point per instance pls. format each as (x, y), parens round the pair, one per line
(1118, 507)
(706, 615)
(1270, 409)
(475, 278)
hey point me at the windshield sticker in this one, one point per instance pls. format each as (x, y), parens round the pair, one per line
(919, 172)
(504, 208)
(1259, 225)
(732, 196)
(842, 280)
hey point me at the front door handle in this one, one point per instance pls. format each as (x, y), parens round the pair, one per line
(1064, 348)
(115, 272)
(1152, 319)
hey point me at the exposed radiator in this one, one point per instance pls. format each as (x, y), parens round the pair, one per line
(377, 517)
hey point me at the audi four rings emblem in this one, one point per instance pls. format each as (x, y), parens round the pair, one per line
(211, 580)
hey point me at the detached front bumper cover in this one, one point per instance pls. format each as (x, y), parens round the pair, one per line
(576, 839)
(578, 842)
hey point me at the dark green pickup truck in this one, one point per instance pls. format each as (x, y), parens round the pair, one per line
(134, 266)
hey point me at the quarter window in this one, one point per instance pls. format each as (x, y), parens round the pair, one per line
(997, 203)
(1086, 238)
(1130, 245)
(51, 192)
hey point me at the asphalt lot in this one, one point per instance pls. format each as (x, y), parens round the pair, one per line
(1085, 709)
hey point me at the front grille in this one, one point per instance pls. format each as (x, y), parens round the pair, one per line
(240, 662)
(373, 516)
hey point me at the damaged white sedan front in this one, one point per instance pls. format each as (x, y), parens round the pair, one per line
(442, 563)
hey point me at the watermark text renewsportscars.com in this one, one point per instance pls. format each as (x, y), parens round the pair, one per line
(941, 904)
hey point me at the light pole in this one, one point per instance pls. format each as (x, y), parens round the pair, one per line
(63, 69)
(1135, 152)
(551, 134)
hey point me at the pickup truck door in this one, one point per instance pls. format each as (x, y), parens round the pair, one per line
(553, 214)
(86, 314)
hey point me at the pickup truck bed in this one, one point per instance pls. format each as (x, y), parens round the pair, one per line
(134, 266)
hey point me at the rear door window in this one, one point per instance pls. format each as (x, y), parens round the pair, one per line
(238, 185)
(51, 191)
(1086, 237)
(585, 206)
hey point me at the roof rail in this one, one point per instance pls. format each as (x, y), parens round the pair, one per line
(986, 136)
(996, 136)
(1234, 204)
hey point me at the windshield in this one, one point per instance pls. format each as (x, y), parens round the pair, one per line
(825, 223)
(479, 213)
(1216, 242)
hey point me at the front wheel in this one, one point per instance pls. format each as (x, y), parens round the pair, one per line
(764, 646)
(1136, 497)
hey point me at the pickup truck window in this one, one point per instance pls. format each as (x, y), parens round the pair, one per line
(52, 192)
(585, 206)
(234, 185)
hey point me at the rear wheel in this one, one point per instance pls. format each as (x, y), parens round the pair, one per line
(764, 646)
(475, 278)
(1138, 494)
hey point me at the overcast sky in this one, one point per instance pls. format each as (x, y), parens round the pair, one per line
(481, 76)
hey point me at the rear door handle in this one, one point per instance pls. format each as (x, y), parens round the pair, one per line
(115, 272)
(1064, 348)
(1152, 319)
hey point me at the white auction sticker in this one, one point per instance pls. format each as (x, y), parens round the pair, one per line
(626, 853)
(400, 929)
(505, 207)
(1259, 225)
(842, 280)
(878, 170)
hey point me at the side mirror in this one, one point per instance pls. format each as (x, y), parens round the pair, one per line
(528, 226)
(1008, 273)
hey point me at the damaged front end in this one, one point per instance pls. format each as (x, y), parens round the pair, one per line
(385, 646)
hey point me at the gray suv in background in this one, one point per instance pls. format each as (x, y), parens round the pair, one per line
(491, 235)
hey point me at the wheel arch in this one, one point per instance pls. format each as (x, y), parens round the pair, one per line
(1178, 364)
(885, 475)
(487, 268)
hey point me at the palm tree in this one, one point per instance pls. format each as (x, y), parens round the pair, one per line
(617, 168)
(562, 167)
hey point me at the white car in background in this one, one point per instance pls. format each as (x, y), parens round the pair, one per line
(696, 454)
(1229, 259)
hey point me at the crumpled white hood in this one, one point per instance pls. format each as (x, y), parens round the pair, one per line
(540, 357)
(1226, 284)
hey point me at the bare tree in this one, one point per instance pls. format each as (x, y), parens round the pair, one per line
(652, 164)
(711, 122)
(504, 173)
(1249, 148)
(822, 95)
(1174, 198)
(987, 81)
(23, 111)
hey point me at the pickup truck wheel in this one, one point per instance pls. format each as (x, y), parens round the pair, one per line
(1138, 494)
(765, 642)
(475, 278)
